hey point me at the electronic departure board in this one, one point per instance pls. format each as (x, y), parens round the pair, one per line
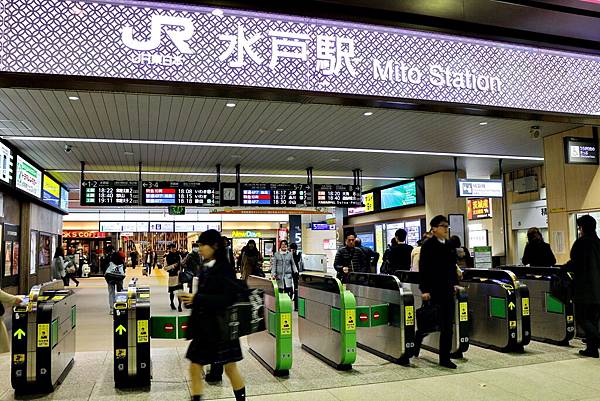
(159, 193)
(276, 195)
(109, 193)
(337, 195)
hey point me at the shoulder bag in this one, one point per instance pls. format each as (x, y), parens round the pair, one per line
(245, 316)
(114, 273)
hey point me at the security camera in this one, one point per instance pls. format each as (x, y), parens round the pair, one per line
(535, 132)
(68, 148)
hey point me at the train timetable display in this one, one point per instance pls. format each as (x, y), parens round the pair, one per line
(157, 193)
(109, 193)
(337, 195)
(276, 195)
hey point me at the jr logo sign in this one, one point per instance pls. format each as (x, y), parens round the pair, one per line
(172, 25)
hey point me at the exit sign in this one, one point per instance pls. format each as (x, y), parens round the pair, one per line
(176, 210)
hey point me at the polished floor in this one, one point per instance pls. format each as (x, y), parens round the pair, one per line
(543, 372)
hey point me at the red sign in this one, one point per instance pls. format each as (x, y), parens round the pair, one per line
(376, 315)
(363, 317)
(184, 326)
(83, 234)
(169, 328)
(478, 209)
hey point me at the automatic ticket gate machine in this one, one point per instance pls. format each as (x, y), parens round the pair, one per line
(131, 336)
(499, 309)
(327, 320)
(273, 347)
(385, 316)
(461, 326)
(551, 320)
(43, 338)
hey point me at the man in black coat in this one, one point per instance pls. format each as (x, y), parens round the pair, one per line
(585, 263)
(439, 278)
(350, 259)
(399, 255)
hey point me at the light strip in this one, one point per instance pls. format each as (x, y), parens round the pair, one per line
(256, 175)
(266, 146)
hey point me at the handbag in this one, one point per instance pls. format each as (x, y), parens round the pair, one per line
(246, 316)
(428, 318)
(114, 273)
(185, 276)
(561, 288)
(71, 269)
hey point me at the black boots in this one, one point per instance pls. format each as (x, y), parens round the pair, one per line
(197, 398)
(589, 352)
(240, 395)
(447, 363)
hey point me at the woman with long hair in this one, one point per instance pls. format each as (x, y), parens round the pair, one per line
(216, 292)
(537, 251)
(251, 261)
(59, 265)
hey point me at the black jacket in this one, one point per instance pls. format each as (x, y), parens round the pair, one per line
(585, 263)
(437, 266)
(353, 258)
(173, 258)
(192, 263)
(538, 254)
(398, 257)
(218, 289)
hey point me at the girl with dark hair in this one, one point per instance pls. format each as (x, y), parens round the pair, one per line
(537, 252)
(250, 261)
(217, 291)
(59, 265)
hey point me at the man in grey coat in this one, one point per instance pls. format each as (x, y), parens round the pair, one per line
(283, 268)
(585, 263)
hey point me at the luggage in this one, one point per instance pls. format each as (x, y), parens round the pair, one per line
(428, 318)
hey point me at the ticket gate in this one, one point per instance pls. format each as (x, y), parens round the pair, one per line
(327, 320)
(461, 325)
(43, 339)
(385, 316)
(552, 320)
(131, 337)
(498, 308)
(273, 347)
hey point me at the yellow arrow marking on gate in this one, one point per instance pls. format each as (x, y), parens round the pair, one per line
(121, 330)
(511, 306)
(19, 334)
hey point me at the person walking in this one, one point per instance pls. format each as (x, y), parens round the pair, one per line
(415, 255)
(349, 259)
(217, 291)
(399, 257)
(371, 256)
(537, 252)
(439, 281)
(585, 263)
(250, 261)
(114, 276)
(59, 264)
(463, 256)
(149, 261)
(283, 269)
(133, 255)
(299, 263)
(173, 266)
(229, 251)
(70, 269)
(6, 298)
(192, 264)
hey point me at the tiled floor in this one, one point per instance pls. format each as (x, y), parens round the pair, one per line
(543, 372)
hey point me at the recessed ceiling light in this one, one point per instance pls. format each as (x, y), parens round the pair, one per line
(291, 159)
(73, 98)
(279, 129)
(230, 105)
(335, 160)
(217, 12)
(483, 123)
(368, 113)
(128, 153)
(236, 156)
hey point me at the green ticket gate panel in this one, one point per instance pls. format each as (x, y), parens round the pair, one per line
(327, 320)
(385, 316)
(131, 337)
(499, 309)
(273, 347)
(43, 340)
(552, 321)
(461, 325)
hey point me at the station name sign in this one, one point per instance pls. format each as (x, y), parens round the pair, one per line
(480, 188)
(184, 43)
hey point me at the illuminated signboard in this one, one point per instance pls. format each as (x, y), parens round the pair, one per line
(180, 193)
(51, 191)
(6, 162)
(109, 193)
(337, 195)
(162, 227)
(83, 234)
(581, 151)
(399, 195)
(29, 178)
(185, 43)
(124, 226)
(195, 227)
(276, 195)
(480, 208)
(368, 201)
(64, 199)
(480, 188)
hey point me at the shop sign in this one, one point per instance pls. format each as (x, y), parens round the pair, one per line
(478, 209)
(29, 178)
(83, 234)
(51, 191)
(480, 188)
(245, 234)
(5, 163)
(168, 42)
